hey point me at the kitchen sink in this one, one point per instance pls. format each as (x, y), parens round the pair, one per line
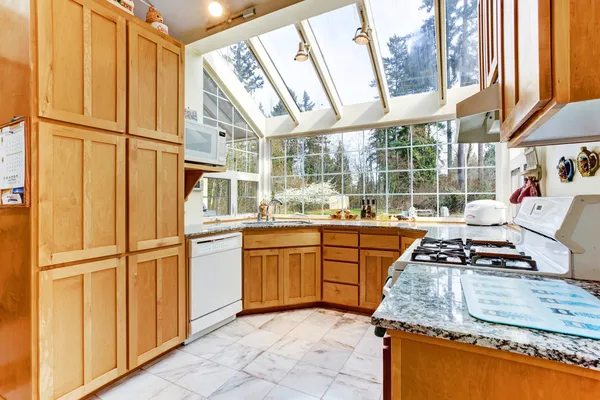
(275, 223)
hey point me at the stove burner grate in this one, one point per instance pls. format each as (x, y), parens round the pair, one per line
(450, 256)
(523, 263)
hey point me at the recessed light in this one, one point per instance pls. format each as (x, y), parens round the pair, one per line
(215, 9)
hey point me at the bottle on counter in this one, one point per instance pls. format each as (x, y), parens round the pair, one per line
(368, 210)
(374, 210)
(363, 209)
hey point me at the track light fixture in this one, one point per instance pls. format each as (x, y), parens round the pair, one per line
(361, 36)
(302, 54)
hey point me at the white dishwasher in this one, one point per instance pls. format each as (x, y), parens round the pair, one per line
(215, 282)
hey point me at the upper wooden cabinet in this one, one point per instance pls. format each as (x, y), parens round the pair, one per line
(157, 314)
(156, 86)
(374, 266)
(82, 63)
(263, 278)
(526, 68)
(301, 275)
(82, 194)
(488, 42)
(548, 56)
(82, 328)
(155, 194)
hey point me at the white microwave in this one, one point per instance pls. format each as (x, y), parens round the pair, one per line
(205, 144)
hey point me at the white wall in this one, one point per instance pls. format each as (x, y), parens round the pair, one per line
(194, 85)
(551, 185)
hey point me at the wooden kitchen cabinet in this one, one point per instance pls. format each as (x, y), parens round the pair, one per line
(301, 275)
(405, 243)
(83, 332)
(82, 194)
(157, 301)
(526, 64)
(374, 266)
(155, 195)
(82, 63)
(488, 42)
(263, 278)
(156, 85)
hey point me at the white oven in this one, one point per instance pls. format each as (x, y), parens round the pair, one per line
(205, 144)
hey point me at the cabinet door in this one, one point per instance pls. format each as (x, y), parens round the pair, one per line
(526, 66)
(488, 46)
(82, 63)
(82, 328)
(82, 194)
(155, 195)
(405, 243)
(155, 86)
(374, 265)
(263, 278)
(301, 275)
(157, 315)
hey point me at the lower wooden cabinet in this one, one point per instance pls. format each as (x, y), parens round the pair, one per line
(263, 278)
(405, 243)
(83, 328)
(157, 314)
(374, 266)
(301, 275)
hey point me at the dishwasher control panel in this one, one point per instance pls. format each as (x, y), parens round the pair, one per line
(215, 244)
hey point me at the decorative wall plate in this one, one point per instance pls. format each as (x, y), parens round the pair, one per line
(566, 169)
(587, 162)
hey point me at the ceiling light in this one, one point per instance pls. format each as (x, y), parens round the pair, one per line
(302, 54)
(215, 9)
(362, 35)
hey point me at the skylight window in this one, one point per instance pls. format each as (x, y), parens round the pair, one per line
(243, 63)
(462, 41)
(299, 77)
(406, 32)
(348, 62)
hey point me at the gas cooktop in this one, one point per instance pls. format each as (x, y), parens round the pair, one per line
(473, 252)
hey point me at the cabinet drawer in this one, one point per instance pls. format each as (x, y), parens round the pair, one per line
(340, 254)
(340, 272)
(339, 293)
(344, 239)
(282, 238)
(380, 241)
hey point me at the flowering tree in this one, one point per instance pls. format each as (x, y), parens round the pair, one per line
(312, 194)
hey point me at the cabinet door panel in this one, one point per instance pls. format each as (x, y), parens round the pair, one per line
(155, 86)
(82, 194)
(82, 329)
(488, 25)
(155, 195)
(526, 66)
(374, 265)
(82, 63)
(157, 316)
(263, 278)
(302, 275)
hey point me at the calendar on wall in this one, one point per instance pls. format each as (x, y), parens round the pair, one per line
(12, 156)
(14, 163)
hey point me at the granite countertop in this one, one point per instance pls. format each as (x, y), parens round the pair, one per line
(207, 229)
(429, 300)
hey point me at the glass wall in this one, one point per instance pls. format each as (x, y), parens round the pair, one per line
(399, 167)
(235, 191)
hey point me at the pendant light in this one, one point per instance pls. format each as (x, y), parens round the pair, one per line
(361, 36)
(302, 54)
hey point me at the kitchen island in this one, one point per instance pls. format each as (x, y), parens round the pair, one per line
(437, 350)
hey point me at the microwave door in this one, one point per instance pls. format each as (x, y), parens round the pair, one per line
(200, 145)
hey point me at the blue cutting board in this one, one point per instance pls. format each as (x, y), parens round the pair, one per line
(550, 306)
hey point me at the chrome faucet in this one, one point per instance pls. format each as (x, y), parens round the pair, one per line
(302, 215)
(273, 201)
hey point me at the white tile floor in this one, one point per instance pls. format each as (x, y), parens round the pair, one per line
(297, 355)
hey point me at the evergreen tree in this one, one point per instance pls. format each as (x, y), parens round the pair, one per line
(244, 65)
(305, 105)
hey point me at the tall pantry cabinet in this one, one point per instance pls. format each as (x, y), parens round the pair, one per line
(106, 216)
